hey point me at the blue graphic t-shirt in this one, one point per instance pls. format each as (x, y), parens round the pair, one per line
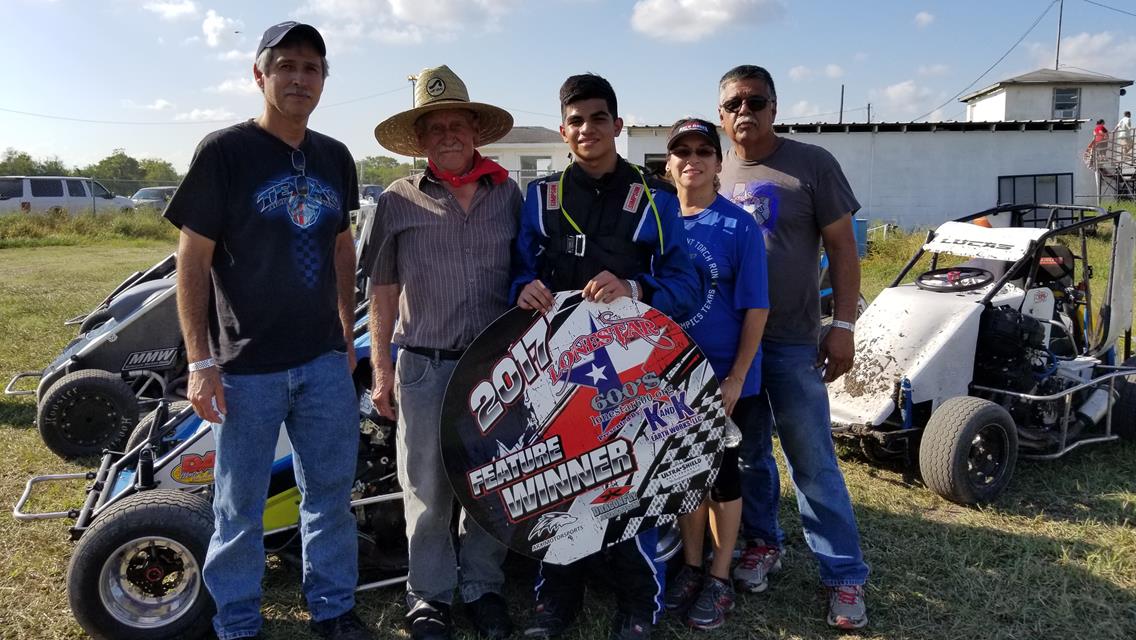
(727, 249)
(275, 213)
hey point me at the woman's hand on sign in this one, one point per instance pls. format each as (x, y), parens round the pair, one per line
(536, 297)
(606, 287)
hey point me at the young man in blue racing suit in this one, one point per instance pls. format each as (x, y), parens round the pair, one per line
(602, 227)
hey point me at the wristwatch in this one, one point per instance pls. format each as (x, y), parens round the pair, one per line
(848, 326)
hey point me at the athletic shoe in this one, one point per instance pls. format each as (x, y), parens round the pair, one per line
(757, 562)
(846, 608)
(550, 618)
(683, 588)
(490, 616)
(630, 626)
(345, 627)
(714, 602)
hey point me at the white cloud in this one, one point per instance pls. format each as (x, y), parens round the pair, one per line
(346, 22)
(800, 109)
(235, 54)
(218, 29)
(172, 10)
(928, 70)
(923, 19)
(1103, 52)
(632, 120)
(240, 85)
(800, 72)
(860, 56)
(901, 101)
(160, 104)
(692, 20)
(197, 115)
(833, 71)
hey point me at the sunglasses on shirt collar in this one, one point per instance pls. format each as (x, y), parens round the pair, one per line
(755, 104)
(299, 165)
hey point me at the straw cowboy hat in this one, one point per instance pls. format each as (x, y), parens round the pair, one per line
(437, 89)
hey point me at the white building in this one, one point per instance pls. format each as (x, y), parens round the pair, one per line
(922, 173)
(529, 152)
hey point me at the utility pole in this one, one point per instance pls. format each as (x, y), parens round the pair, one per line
(1060, 14)
(869, 113)
(841, 120)
(413, 80)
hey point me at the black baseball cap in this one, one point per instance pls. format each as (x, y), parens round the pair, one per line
(277, 32)
(696, 126)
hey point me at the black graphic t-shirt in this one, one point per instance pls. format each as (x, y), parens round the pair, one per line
(274, 213)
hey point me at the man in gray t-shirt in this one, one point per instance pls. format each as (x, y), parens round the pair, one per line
(800, 197)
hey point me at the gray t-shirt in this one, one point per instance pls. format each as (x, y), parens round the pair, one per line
(792, 194)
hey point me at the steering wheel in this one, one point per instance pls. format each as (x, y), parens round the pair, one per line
(954, 279)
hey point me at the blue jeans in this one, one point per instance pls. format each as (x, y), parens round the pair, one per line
(428, 499)
(794, 401)
(316, 403)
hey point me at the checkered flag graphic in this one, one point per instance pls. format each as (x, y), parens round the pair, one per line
(307, 258)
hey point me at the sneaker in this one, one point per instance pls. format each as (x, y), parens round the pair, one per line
(490, 616)
(630, 626)
(550, 618)
(757, 562)
(683, 588)
(345, 627)
(429, 621)
(713, 603)
(846, 608)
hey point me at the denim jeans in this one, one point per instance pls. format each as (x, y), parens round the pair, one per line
(796, 404)
(316, 403)
(428, 499)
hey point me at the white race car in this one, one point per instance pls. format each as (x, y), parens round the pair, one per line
(1005, 355)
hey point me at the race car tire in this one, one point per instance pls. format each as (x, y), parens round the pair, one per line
(1124, 411)
(142, 429)
(85, 412)
(136, 572)
(968, 450)
(94, 320)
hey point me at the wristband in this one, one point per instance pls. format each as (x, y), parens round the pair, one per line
(840, 324)
(634, 289)
(202, 364)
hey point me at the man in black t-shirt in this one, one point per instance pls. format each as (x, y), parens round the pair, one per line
(266, 295)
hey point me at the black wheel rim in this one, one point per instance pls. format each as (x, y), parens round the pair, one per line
(87, 417)
(988, 455)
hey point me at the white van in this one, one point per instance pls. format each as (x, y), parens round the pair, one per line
(42, 194)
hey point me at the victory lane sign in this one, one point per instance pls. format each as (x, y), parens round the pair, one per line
(568, 432)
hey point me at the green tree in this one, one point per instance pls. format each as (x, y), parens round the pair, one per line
(118, 172)
(52, 166)
(383, 170)
(157, 172)
(17, 163)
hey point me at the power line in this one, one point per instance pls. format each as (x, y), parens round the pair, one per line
(827, 113)
(1105, 6)
(996, 62)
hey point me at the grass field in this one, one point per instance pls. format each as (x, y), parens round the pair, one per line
(1055, 557)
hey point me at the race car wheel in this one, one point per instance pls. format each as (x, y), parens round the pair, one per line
(968, 450)
(136, 572)
(142, 430)
(85, 412)
(1124, 411)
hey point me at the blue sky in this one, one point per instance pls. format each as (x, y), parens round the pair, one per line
(160, 74)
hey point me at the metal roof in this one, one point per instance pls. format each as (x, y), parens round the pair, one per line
(1050, 76)
(895, 127)
(530, 135)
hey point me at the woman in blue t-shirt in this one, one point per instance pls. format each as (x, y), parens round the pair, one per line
(728, 251)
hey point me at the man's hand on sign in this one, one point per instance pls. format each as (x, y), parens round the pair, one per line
(536, 297)
(605, 287)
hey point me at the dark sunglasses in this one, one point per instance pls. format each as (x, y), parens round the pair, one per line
(755, 104)
(299, 165)
(701, 152)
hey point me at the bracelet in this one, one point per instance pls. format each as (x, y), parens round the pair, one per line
(202, 364)
(634, 289)
(840, 324)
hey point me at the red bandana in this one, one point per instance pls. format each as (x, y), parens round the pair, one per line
(481, 167)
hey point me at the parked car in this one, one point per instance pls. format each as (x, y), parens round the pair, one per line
(370, 193)
(155, 198)
(43, 194)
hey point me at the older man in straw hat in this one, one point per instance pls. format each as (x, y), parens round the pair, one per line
(442, 261)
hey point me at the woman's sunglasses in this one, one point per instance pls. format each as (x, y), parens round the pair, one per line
(685, 152)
